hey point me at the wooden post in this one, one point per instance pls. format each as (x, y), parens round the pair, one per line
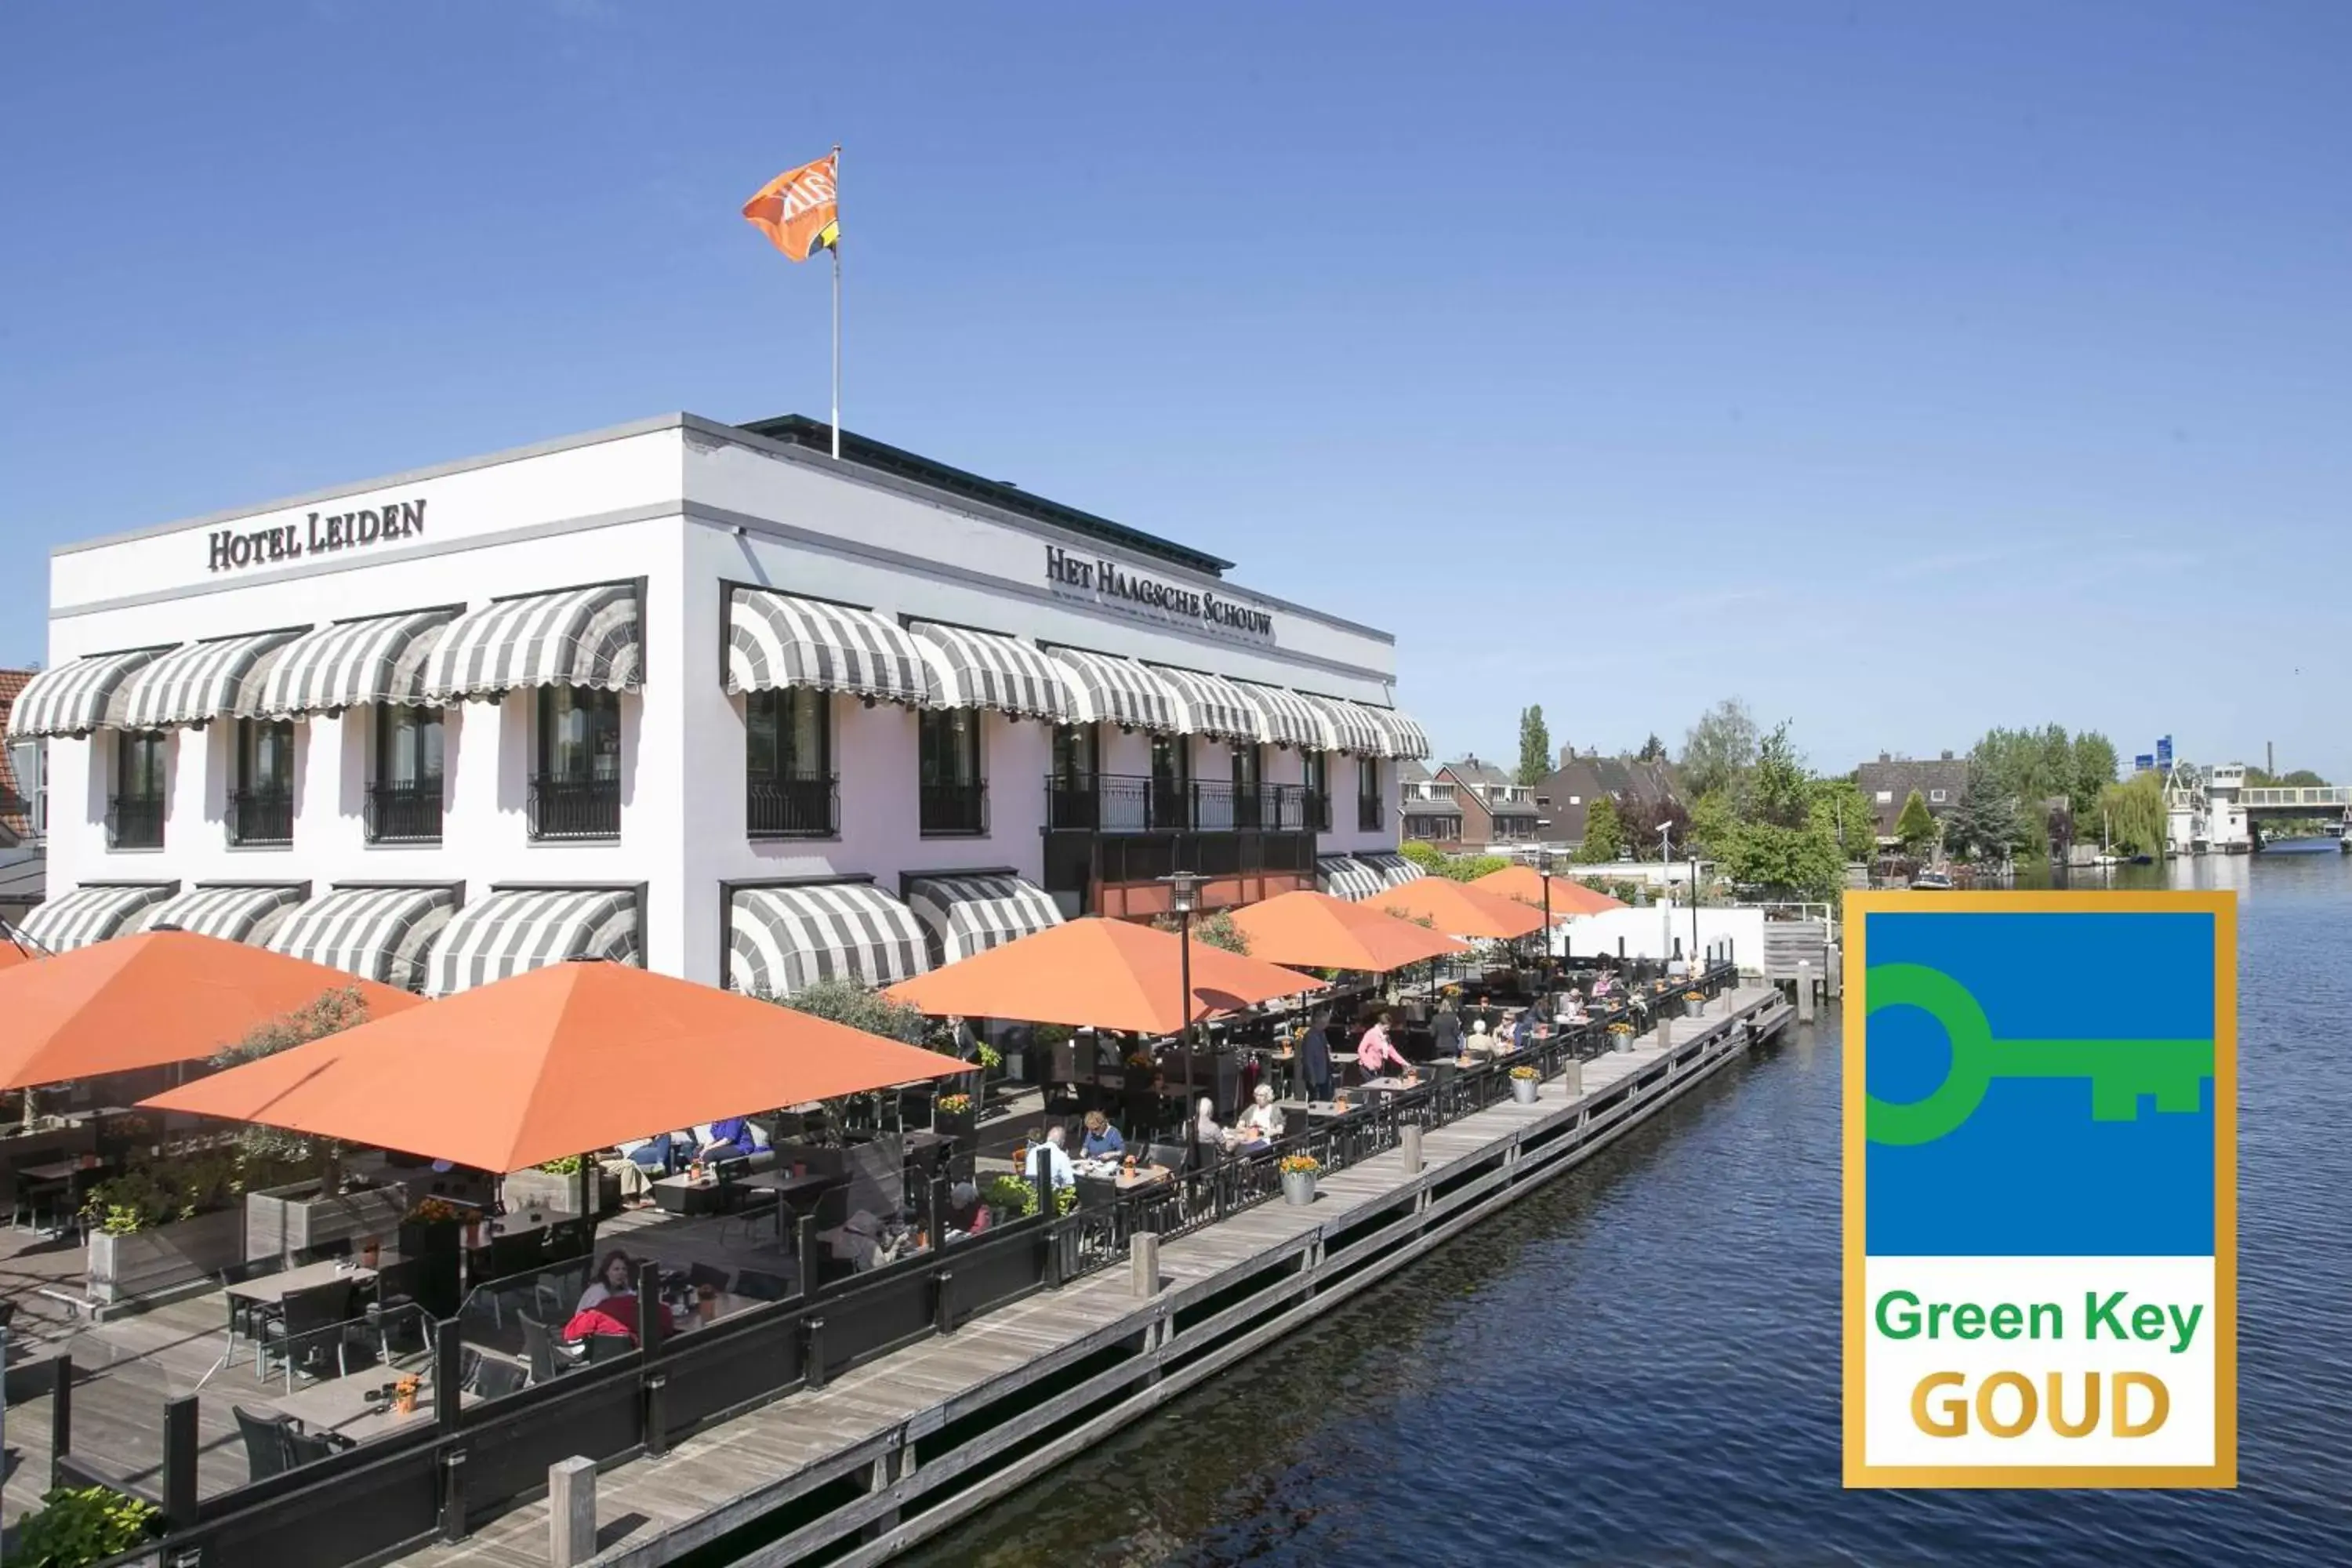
(1143, 1265)
(60, 1418)
(1804, 990)
(1409, 1140)
(1665, 1031)
(1835, 977)
(179, 1462)
(1572, 1078)
(571, 1513)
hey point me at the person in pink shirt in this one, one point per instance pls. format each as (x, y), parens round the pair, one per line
(1374, 1055)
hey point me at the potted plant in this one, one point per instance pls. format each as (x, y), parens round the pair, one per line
(1523, 1085)
(1695, 1004)
(1621, 1035)
(89, 1524)
(952, 1117)
(1298, 1173)
(428, 1233)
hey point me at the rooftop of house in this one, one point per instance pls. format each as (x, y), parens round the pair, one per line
(1889, 782)
(16, 818)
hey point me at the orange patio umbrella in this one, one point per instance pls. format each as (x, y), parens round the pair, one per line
(1317, 930)
(1525, 883)
(1109, 974)
(1458, 909)
(152, 999)
(12, 955)
(555, 1061)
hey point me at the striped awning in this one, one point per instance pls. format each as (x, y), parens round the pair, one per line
(1284, 718)
(982, 669)
(91, 912)
(1345, 877)
(775, 640)
(1208, 705)
(1403, 737)
(523, 929)
(579, 637)
(249, 913)
(332, 667)
(71, 699)
(1391, 867)
(1350, 726)
(193, 684)
(376, 934)
(971, 914)
(783, 939)
(1106, 690)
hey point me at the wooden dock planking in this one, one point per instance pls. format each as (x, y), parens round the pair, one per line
(809, 1438)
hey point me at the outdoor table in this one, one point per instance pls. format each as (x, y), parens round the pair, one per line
(38, 1181)
(682, 1194)
(269, 1289)
(790, 1190)
(1115, 1173)
(342, 1404)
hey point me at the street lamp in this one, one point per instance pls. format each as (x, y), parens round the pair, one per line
(1183, 898)
(1543, 869)
(1665, 880)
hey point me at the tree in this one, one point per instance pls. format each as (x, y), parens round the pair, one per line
(1790, 862)
(1603, 839)
(1780, 786)
(1915, 825)
(1535, 745)
(331, 1014)
(1470, 867)
(1714, 825)
(2094, 770)
(1426, 855)
(2133, 813)
(1986, 824)
(1639, 819)
(1652, 750)
(1853, 820)
(859, 1007)
(1720, 747)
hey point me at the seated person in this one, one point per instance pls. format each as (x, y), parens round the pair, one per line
(967, 1216)
(1102, 1140)
(656, 1153)
(1261, 1124)
(1052, 1155)
(730, 1139)
(609, 1305)
(1206, 1131)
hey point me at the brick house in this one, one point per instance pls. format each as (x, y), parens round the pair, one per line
(1496, 812)
(1563, 795)
(1427, 811)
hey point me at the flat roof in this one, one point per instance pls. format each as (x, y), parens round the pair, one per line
(800, 430)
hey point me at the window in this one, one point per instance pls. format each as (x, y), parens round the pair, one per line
(262, 806)
(1317, 785)
(1073, 790)
(1170, 803)
(1887, 797)
(575, 791)
(954, 796)
(404, 795)
(788, 764)
(1368, 794)
(137, 809)
(1248, 801)
(1572, 800)
(29, 761)
(1935, 797)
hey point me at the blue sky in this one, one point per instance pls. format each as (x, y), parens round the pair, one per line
(1901, 370)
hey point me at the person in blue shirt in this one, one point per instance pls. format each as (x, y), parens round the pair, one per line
(730, 1139)
(1102, 1138)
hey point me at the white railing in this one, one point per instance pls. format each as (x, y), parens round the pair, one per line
(2329, 796)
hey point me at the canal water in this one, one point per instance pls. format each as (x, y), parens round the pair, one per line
(1640, 1365)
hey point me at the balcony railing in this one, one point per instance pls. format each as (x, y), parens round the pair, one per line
(405, 813)
(1120, 803)
(954, 808)
(575, 808)
(257, 816)
(134, 822)
(1369, 815)
(791, 807)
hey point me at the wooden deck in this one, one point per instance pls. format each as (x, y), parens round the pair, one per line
(1224, 1291)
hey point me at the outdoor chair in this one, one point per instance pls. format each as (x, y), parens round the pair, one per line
(702, 1274)
(571, 1238)
(494, 1379)
(394, 1313)
(555, 1289)
(244, 1315)
(538, 1345)
(759, 1285)
(312, 1320)
(1170, 1155)
(268, 1446)
(610, 1347)
(308, 1448)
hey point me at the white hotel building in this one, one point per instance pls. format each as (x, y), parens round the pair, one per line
(687, 694)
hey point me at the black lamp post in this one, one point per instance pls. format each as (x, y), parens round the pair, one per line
(1183, 897)
(1543, 869)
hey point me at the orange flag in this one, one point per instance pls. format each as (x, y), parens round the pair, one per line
(799, 210)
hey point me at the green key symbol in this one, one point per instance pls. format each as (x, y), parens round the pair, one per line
(2120, 1071)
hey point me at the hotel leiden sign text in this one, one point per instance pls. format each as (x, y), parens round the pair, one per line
(231, 548)
(1107, 583)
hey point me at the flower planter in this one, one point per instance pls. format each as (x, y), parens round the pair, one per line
(146, 1264)
(434, 1248)
(1299, 1186)
(283, 1220)
(1523, 1090)
(544, 1191)
(960, 1125)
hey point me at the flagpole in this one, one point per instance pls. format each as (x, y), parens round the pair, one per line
(835, 249)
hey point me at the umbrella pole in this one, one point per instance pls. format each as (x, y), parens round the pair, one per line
(586, 1181)
(1184, 974)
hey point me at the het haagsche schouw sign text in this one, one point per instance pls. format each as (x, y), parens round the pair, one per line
(1107, 580)
(319, 535)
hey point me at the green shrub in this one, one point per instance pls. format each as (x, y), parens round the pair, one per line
(72, 1527)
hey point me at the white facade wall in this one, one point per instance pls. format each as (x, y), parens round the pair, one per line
(687, 507)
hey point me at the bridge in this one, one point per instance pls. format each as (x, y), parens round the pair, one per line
(2308, 800)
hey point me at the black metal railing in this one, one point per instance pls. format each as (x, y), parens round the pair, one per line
(260, 817)
(791, 807)
(135, 822)
(951, 808)
(1369, 814)
(568, 808)
(1319, 812)
(405, 813)
(1125, 803)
